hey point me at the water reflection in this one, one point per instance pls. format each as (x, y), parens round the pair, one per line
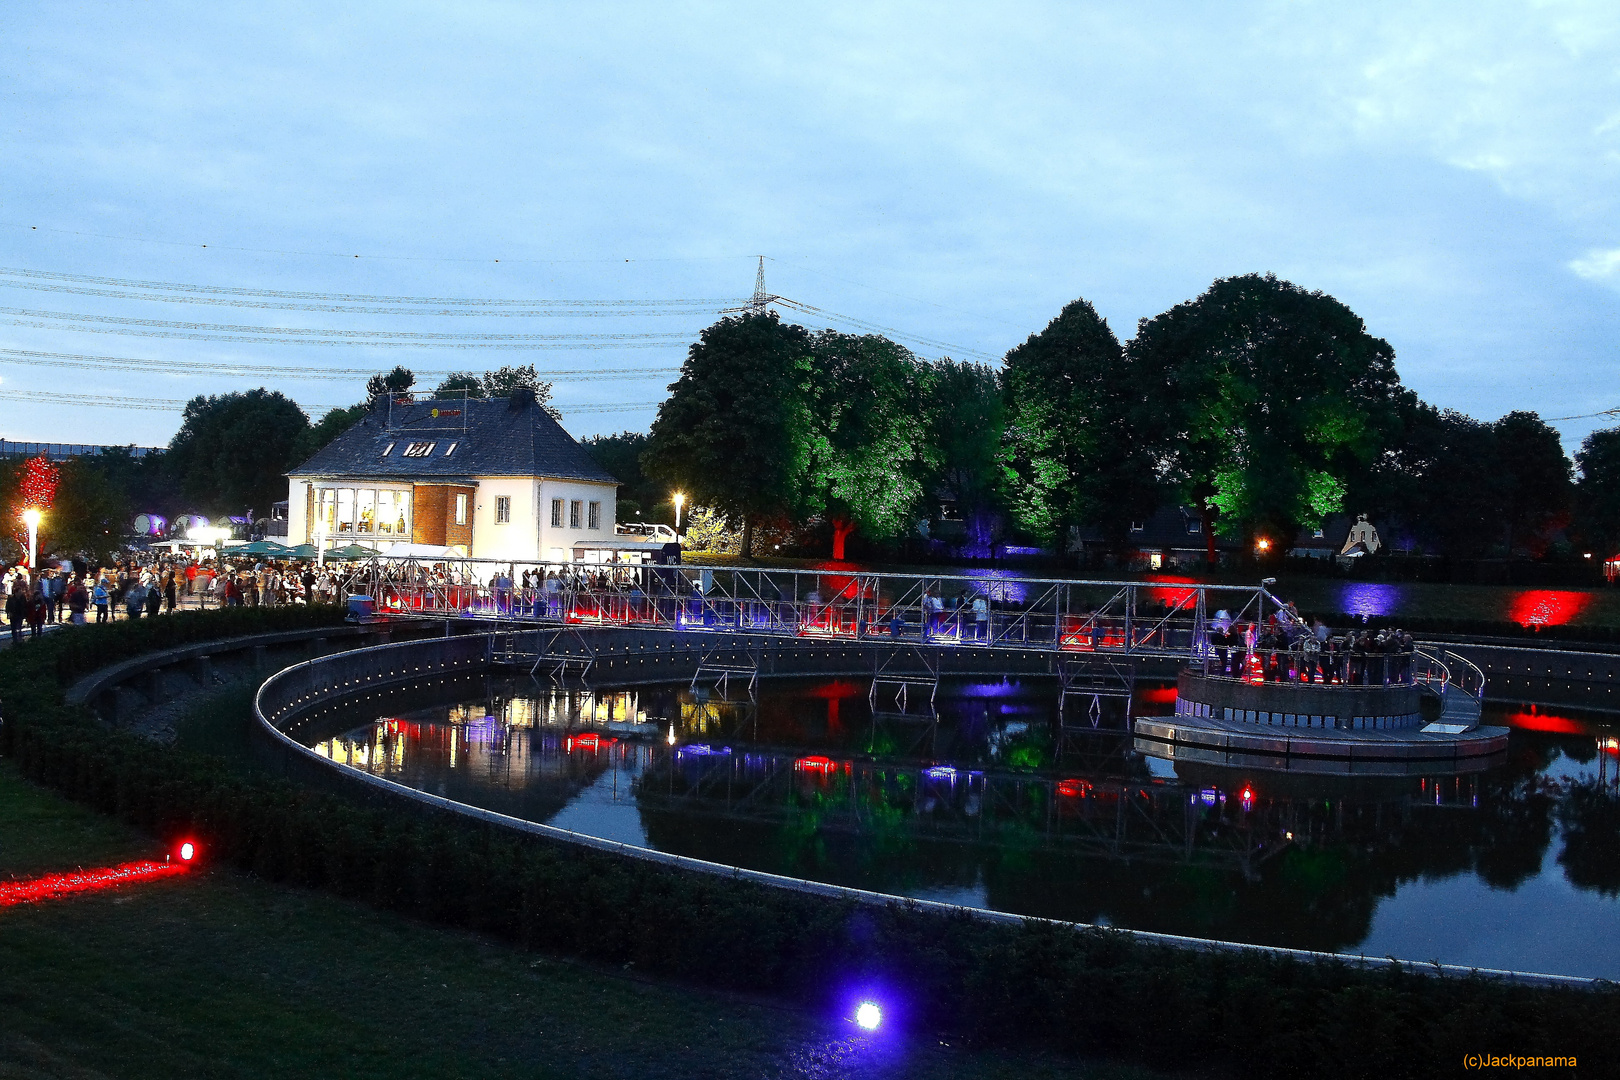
(987, 799)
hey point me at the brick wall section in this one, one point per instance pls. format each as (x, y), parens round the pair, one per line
(428, 506)
(453, 533)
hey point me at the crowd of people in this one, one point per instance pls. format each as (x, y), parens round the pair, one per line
(1285, 648)
(77, 593)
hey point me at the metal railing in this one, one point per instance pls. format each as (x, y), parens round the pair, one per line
(1159, 619)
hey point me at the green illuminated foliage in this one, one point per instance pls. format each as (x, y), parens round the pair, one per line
(1274, 397)
(735, 433)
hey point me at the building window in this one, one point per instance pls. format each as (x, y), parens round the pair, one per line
(389, 449)
(1136, 526)
(419, 449)
(365, 511)
(461, 508)
(556, 513)
(345, 514)
(573, 514)
(450, 449)
(594, 520)
(385, 513)
(1194, 526)
(503, 509)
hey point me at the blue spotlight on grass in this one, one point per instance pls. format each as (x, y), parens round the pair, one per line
(868, 1016)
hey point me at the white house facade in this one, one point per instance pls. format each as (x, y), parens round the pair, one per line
(488, 479)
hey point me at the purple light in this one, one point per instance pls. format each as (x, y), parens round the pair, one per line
(940, 772)
(868, 1016)
(703, 750)
(1369, 598)
(1208, 796)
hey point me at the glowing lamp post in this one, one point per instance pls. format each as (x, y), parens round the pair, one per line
(1261, 546)
(31, 517)
(680, 501)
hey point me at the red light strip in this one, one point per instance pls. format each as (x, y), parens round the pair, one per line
(56, 886)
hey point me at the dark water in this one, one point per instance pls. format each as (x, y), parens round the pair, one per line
(990, 800)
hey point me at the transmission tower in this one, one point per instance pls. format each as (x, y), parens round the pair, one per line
(760, 301)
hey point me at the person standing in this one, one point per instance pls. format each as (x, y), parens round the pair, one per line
(17, 609)
(170, 592)
(78, 600)
(38, 608)
(101, 597)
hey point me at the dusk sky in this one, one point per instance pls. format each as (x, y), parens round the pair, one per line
(948, 175)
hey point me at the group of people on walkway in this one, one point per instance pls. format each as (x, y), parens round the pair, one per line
(1285, 648)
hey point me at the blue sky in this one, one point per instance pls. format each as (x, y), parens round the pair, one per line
(953, 173)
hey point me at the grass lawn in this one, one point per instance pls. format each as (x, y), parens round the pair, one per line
(219, 974)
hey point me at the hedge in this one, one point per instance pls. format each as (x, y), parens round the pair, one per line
(1096, 992)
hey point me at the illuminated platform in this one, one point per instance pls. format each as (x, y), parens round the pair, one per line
(1404, 752)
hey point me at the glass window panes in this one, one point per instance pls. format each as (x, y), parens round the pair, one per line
(573, 513)
(503, 509)
(419, 449)
(556, 513)
(345, 506)
(402, 512)
(385, 513)
(328, 513)
(594, 521)
(365, 510)
(461, 508)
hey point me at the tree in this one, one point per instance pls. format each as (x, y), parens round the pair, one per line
(232, 451)
(1273, 394)
(1435, 479)
(1597, 493)
(966, 421)
(735, 432)
(1079, 437)
(1533, 482)
(317, 435)
(871, 451)
(90, 513)
(458, 382)
(621, 455)
(398, 381)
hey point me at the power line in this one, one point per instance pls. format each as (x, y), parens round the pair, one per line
(35, 358)
(151, 404)
(352, 303)
(1586, 416)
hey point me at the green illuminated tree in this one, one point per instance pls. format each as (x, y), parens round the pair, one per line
(735, 433)
(1272, 395)
(966, 422)
(1081, 424)
(872, 451)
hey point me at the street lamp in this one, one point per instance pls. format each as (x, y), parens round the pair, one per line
(31, 517)
(1262, 545)
(680, 500)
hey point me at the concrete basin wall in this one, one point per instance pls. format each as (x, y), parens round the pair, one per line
(1286, 704)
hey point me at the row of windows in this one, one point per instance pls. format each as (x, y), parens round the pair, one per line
(593, 514)
(418, 449)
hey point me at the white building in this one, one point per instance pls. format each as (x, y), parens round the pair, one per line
(487, 478)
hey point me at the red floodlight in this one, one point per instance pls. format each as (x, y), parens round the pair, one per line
(188, 851)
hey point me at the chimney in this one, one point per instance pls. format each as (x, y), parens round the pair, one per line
(522, 398)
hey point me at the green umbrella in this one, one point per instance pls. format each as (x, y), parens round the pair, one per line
(304, 551)
(352, 551)
(263, 547)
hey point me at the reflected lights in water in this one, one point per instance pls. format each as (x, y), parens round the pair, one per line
(1547, 607)
(1368, 598)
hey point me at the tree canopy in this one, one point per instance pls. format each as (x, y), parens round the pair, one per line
(871, 452)
(1597, 494)
(736, 431)
(1076, 448)
(1272, 396)
(398, 381)
(232, 451)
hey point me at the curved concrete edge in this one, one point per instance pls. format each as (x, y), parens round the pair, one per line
(94, 683)
(366, 781)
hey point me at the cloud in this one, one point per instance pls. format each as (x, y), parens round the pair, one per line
(1598, 265)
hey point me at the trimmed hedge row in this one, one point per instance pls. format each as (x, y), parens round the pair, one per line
(1091, 991)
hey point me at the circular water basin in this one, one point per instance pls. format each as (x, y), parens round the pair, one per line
(1001, 795)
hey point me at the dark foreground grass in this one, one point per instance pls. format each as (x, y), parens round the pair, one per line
(219, 974)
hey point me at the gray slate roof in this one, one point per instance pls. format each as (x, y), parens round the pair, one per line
(501, 438)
